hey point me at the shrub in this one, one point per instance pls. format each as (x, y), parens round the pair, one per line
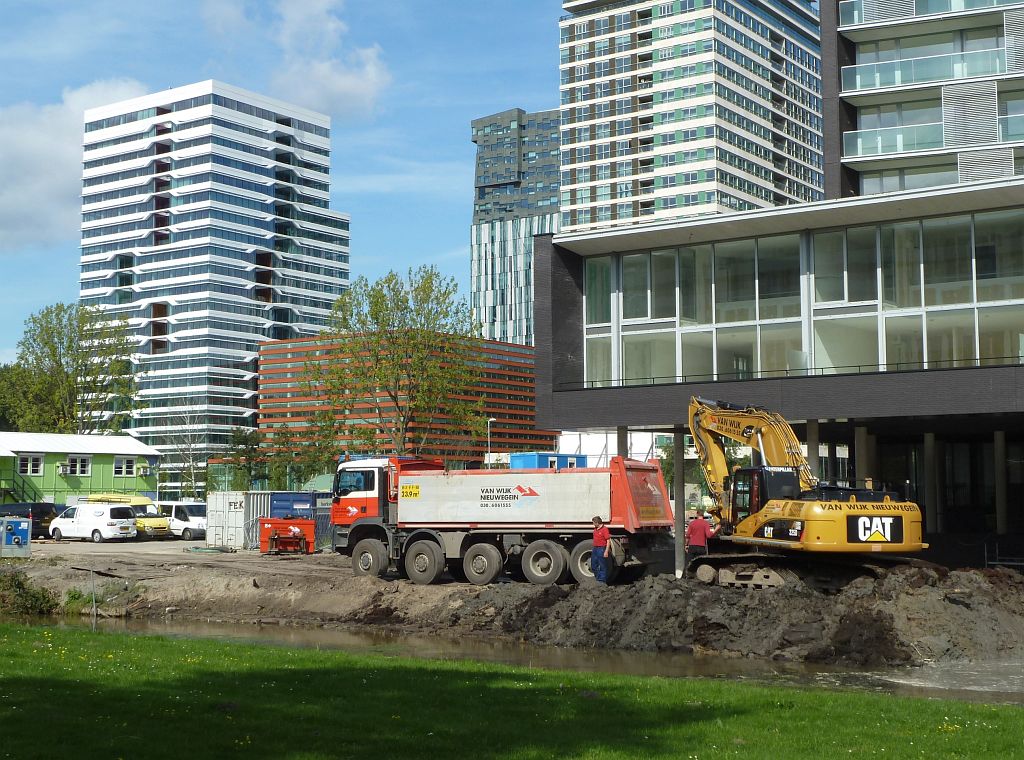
(19, 597)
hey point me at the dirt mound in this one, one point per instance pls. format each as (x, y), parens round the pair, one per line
(906, 615)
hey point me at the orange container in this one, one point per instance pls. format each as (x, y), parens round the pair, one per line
(284, 535)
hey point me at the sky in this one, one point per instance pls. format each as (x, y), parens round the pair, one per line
(401, 81)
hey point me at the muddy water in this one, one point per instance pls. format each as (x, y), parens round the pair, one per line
(996, 682)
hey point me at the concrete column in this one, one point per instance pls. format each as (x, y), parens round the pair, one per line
(873, 460)
(833, 462)
(622, 441)
(999, 471)
(861, 456)
(812, 447)
(940, 485)
(679, 486)
(931, 481)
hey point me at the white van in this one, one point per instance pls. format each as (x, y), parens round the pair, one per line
(97, 521)
(187, 518)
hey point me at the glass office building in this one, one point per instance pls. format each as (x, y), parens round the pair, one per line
(206, 224)
(516, 197)
(675, 108)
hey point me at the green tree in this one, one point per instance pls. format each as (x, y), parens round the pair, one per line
(247, 459)
(73, 372)
(408, 361)
(8, 394)
(692, 471)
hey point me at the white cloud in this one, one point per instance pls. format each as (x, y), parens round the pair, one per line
(225, 18)
(317, 70)
(41, 164)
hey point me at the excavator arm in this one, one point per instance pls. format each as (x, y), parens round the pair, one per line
(712, 423)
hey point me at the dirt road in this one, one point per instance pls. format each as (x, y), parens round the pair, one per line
(909, 615)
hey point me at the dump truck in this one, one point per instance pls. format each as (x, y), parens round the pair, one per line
(535, 524)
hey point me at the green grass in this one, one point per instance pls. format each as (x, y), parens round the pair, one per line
(72, 693)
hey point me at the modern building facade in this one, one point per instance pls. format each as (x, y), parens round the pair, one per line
(47, 467)
(507, 387)
(674, 108)
(921, 93)
(206, 224)
(516, 197)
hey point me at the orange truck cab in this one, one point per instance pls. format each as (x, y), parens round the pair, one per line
(482, 523)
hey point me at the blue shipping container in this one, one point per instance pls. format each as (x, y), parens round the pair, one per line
(545, 460)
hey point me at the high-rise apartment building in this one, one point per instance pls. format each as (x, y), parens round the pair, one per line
(206, 224)
(887, 319)
(675, 108)
(921, 94)
(516, 198)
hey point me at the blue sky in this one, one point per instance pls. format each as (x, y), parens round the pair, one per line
(400, 79)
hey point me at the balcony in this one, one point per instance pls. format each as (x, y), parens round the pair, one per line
(933, 68)
(852, 11)
(874, 142)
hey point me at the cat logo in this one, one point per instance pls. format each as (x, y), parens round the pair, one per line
(875, 529)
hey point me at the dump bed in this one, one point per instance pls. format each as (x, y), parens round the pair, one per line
(627, 494)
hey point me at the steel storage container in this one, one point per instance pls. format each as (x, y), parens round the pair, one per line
(292, 504)
(232, 518)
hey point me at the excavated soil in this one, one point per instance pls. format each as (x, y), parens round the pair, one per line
(908, 615)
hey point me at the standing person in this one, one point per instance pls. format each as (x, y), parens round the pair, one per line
(697, 534)
(600, 551)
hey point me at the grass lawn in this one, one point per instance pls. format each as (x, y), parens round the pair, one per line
(76, 694)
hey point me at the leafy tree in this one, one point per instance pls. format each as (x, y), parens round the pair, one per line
(247, 459)
(73, 372)
(8, 394)
(407, 359)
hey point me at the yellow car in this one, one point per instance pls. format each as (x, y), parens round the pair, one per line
(148, 521)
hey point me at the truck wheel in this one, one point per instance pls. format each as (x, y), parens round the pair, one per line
(544, 562)
(424, 561)
(579, 563)
(369, 557)
(186, 535)
(97, 537)
(483, 564)
(56, 534)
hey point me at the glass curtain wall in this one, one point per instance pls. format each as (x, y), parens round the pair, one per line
(934, 293)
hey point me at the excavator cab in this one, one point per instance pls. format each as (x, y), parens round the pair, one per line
(754, 487)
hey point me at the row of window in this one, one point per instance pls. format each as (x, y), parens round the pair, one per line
(205, 100)
(76, 465)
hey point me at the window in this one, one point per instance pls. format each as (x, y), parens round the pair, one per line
(124, 467)
(30, 464)
(351, 481)
(80, 466)
(599, 290)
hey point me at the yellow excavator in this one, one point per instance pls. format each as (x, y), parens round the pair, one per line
(781, 506)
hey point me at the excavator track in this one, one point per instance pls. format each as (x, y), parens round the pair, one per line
(766, 569)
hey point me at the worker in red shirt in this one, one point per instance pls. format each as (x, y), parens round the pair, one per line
(601, 551)
(697, 534)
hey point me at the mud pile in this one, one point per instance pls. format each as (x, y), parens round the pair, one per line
(908, 615)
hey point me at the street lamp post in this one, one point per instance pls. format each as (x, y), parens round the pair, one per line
(489, 421)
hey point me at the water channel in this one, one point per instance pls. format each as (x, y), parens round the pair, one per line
(992, 682)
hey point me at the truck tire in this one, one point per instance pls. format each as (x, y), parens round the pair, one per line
(579, 563)
(544, 562)
(483, 564)
(370, 557)
(424, 562)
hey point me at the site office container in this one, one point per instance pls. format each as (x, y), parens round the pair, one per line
(536, 520)
(232, 518)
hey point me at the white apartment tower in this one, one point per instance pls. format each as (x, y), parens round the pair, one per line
(206, 223)
(673, 108)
